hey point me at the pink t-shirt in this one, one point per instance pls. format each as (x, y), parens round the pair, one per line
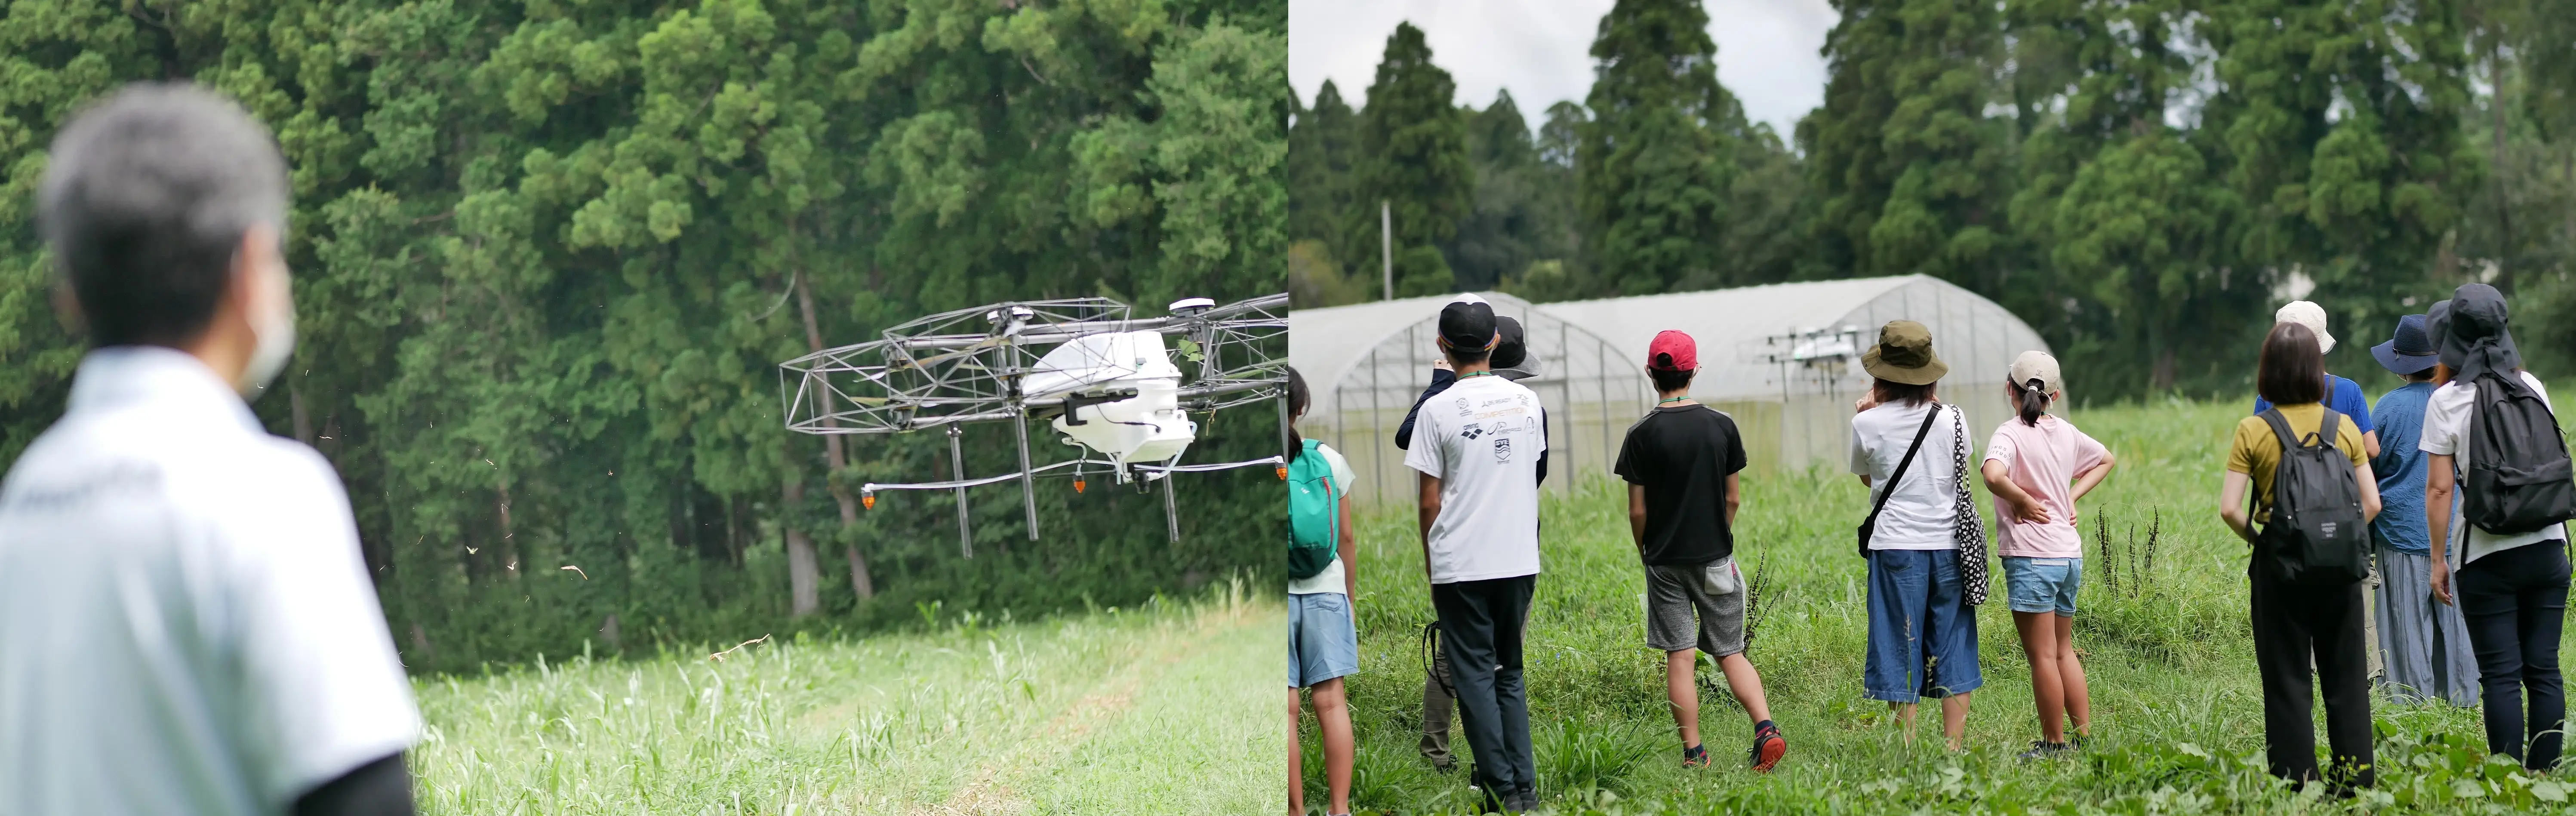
(2043, 460)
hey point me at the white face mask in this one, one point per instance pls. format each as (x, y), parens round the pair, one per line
(273, 323)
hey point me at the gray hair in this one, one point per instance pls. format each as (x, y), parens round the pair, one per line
(145, 201)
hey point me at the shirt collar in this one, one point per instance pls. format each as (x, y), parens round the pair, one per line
(122, 376)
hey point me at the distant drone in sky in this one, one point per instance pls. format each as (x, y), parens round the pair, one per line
(1119, 390)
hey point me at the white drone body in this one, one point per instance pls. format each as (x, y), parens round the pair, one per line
(1122, 398)
(1105, 381)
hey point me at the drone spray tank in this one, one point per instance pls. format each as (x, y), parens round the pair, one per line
(1121, 396)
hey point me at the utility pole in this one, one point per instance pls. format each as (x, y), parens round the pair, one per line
(1386, 245)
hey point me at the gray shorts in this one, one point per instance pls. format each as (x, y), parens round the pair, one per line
(1675, 597)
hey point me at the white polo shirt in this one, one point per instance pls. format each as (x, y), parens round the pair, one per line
(186, 623)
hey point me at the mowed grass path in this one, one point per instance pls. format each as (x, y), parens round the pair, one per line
(1172, 708)
(2176, 701)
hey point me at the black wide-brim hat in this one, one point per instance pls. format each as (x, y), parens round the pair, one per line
(2410, 351)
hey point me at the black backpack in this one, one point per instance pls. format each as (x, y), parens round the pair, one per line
(2519, 479)
(2317, 534)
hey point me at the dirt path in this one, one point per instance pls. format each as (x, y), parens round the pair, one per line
(989, 792)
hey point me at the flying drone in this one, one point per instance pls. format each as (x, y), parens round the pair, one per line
(1119, 390)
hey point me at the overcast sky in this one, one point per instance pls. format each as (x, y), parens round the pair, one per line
(1766, 49)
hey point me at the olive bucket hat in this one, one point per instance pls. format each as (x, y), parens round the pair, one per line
(1904, 355)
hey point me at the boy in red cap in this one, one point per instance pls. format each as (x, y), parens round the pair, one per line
(1682, 463)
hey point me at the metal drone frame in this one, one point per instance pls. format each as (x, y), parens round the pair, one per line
(967, 365)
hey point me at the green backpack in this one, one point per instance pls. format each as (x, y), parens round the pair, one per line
(1314, 513)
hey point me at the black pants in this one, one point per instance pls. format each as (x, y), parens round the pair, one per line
(2294, 624)
(1480, 631)
(2515, 601)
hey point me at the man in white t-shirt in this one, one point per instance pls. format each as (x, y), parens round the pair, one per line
(1477, 446)
(2511, 589)
(186, 623)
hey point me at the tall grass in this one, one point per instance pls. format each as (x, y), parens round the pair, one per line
(1148, 709)
(2177, 713)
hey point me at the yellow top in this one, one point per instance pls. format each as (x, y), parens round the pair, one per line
(2256, 451)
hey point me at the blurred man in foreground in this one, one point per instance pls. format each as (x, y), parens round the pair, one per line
(186, 625)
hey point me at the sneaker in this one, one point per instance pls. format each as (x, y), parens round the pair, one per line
(2043, 749)
(1695, 756)
(1767, 749)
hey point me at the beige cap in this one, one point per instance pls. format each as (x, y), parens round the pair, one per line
(2036, 365)
(2311, 315)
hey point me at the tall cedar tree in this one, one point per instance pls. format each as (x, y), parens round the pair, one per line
(1323, 146)
(1658, 157)
(2123, 208)
(1413, 144)
(1518, 217)
(2341, 129)
(1912, 176)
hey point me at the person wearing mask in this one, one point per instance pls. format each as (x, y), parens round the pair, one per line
(1476, 449)
(2312, 617)
(2424, 645)
(1512, 361)
(186, 622)
(2511, 587)
(2037, 467)
(1682, 463)
(1323, 638)
(1911, 450)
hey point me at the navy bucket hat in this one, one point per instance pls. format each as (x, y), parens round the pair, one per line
(2411, 350)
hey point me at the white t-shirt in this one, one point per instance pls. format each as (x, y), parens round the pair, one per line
(1919, 513)
(1482, 439)
(1330, 580)
(186, 623)
(2447, 417)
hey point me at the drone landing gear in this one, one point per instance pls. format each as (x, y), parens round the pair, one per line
(957, 471)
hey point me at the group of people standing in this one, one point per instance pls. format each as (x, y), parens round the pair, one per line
(2462, 477)
(2470, 581)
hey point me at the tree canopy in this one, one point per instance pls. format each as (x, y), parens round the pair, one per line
(546, 256)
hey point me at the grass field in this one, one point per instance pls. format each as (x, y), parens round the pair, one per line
(2176, 704)
(1151, 710)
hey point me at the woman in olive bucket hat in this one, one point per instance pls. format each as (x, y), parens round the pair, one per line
(1925, 545)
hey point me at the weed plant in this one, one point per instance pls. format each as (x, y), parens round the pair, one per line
(2162, 628)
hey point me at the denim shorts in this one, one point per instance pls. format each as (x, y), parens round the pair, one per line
(1323, 643)
(1922, 632)
(2043, 584)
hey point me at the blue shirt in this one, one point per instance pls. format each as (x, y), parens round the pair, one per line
(2400, 467)
(2345, 399)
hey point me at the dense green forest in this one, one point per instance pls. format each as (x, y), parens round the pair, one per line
(547, 255)
(2141, 180)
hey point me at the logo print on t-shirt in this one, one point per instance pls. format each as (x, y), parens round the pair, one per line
(1463, 410)
(1471, 431)
(1502, 449)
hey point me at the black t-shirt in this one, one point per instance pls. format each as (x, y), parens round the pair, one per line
(1681, 456)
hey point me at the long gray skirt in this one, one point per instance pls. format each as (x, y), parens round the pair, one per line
(2423, 643)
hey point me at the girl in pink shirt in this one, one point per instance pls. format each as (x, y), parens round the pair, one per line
(2036, 466)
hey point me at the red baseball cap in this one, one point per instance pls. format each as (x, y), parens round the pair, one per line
(1672, 351)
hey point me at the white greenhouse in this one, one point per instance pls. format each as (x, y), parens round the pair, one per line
(1783, 359)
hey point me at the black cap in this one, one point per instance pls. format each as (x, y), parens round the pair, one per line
(1467, 326)
(2478, 341)
(1511, 350)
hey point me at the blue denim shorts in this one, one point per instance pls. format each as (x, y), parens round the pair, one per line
(1922, 632)
(2043, 584)
(1323, 642)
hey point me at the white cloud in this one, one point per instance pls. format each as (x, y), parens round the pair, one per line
(1540, 49)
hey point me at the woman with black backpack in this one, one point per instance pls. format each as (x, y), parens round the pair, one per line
(2314, 495)
(2493, 423)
